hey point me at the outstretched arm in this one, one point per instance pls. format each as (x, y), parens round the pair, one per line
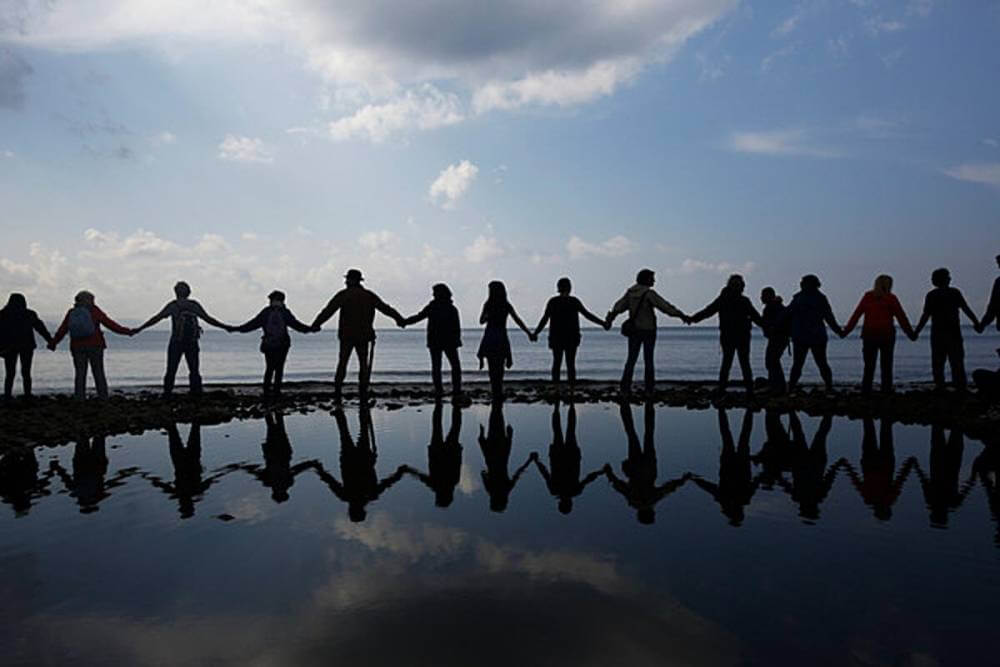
(545, 320)
(968, 311)
(413, 319)
(926, 315)
(706, 312)
(590, 316)
(111, 324)
(666, 307)
(904, 321)
(294, 323)
(256, 323)
(855, 316)
(829, 318)
(387, 310)
(519, 322)
(162, 315)
(621, 306)
(39, 326)
(332, 306)
(200, 312)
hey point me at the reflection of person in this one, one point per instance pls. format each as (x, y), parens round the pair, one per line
(496, 444)
(987, 382)
(775, 454)
(639, 486)
(360, 485)
(562, 314)
(736, 485)
(274, 321)
(90, 466)
(986, 468)
(563, 475)
(878, 483)
(811, 481)
(188, 486)
(278, 474)
(18, 325)
(444, 337)
(444, 457)
(941, 487)
(19, 482)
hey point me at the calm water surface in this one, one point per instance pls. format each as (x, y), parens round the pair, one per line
(424, 536)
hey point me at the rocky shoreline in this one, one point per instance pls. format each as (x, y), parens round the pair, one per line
(57, 419)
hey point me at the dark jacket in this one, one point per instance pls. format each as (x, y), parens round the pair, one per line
(808, 314)
(357, 307)
(736, 315)
(775, 322)
(260, 322)
(18, 325)
(444, 328)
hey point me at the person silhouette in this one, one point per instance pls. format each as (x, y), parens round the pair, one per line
(986, 468)
(776, 454)
(184, 313)
(878, 483)
(189, 485)
(83, 324)
(811, 481)
(809, 314)
(941, 307)
(639, 486)
(444, 457)
(361, 485)
(736, 485)
(562, 314)
(18, 325)
(777, 332)
(90, 467)
(496, 445)
(562, 477)
(639, 302)
(943, 492)
(355, 329)
(494, 348)
(993, 306)
(879, 307)
(278, 473)
(736, 318)
(274, 320)
(444, 337)
(20, 484)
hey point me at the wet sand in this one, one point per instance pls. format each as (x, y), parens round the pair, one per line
(57, 419)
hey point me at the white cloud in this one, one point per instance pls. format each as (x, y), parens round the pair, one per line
(689, 266)
(985, 173)
(876, 25)
(989, 141)
(876, 126)
(424, 109)
(452, 183)
(244, 149)
(376, 241)
(164, 138)
(767, 62)
(561, 88)
(249, 236)
(616, 246)
(890, 59)
(8, 154)
(777, 142)
(483, 249)
(921, 8)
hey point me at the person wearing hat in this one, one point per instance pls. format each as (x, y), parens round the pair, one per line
(275, 342)
(355, 329)
(184, 313)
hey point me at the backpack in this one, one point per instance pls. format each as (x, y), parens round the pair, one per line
(81, 323)
(188, 330)
(275, 329)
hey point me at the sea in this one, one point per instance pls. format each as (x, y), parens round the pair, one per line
(682, 354)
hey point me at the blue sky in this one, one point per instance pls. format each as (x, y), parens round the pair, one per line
(245, 146)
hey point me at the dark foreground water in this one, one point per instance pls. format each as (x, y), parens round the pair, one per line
(717, 539)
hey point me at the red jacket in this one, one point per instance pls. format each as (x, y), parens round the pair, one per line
(97, 340)
(879, 311)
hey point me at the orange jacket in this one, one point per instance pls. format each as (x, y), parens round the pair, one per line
(879, 311)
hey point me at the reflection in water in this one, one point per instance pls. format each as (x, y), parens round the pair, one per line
(189, 485)
(19, 481)
(879, 484)
(563, 480)
(639, 486)
(360, 484)
(90, 466)
(942, 491)
(444, 457)
(736, 483)
(811, 481)
(986, 469)
(496, 444)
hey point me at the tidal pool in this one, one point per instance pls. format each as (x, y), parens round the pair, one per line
(433, 536)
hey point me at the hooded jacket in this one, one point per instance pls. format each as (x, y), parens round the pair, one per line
(809, 313)
(18, 325)
(641, 309)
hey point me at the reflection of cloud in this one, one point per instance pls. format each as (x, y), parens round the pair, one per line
(468, 480)
(413, 542)
(595, 571)
(250, 509)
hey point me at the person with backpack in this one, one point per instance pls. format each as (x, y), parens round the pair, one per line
(562, 313)
(444, 337)
(18, 325)
(639, 301)
(941, 307)
(83, 324)
(355, 329)
(777, 333)
(184, 313)
(275, 342)
(736, 318)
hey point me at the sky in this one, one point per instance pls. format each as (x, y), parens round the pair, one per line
(250, 145)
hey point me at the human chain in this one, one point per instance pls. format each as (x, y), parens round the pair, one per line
(801, 325)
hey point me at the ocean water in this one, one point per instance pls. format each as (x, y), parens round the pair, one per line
(718, 538)
(682, 353)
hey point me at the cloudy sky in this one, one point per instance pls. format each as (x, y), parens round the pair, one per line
(247, 145)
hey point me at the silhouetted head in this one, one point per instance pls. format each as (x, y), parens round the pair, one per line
(356, 512)
(809, 282)
(564, 286)
(998, 261)
(565, 505)
(736, 283)
(17, 302)
(646, 277)
(646, 516)
(277, 297)
(941, 277)
(182, 290)
(883, 284)
(883, 512)
(767, 295)
(444, 497)
(441, 291)
(497, 293)
(84, 298)
(498, 502)
(279, 495)
(353, 277)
